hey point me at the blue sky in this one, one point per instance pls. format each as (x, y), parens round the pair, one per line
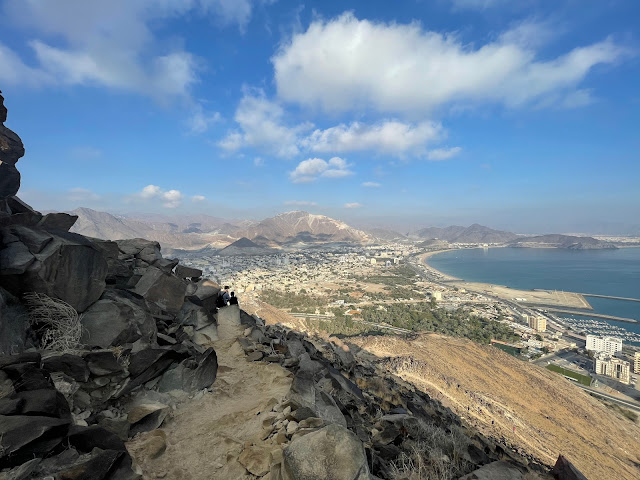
(518, 115)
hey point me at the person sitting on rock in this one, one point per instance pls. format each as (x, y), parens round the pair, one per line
(233, 300)
(223, 297)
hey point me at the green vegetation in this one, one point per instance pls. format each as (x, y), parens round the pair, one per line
(515, 351)
(297, 302)
(583, 379)
(622, 411)
(392, 277)
(457, 323)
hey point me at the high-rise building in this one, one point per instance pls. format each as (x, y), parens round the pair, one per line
(605, 364)
(636, 367)
(608, 345)
(538, 323)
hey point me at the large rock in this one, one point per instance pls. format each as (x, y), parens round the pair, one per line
(188, 272)
(229, 315)
(11, 147)
(69, 267)
(14, 323)
(116, 319)
(191, 375)
(331, 453)
(564, 470)
(24, 436)
(3, 109)
(9, 180)
(163, 290)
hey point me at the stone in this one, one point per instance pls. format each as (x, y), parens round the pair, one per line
(57, 222)
(255, 356)
(257, 460)
(11, 147)
(564, 470)
(495, 471)
(45, 402)
(15, 259)
(74, 366)
(146, 417)
(85, 439)
(27, 376)
(187, 272)
(116, 319)
(9, 179)
(166, 264)
(195, 315)
(3, 109)
(14, 324)
(24, 436)
(18, 206)
(134, 246)
(191, 375)
(69, 268)
(229, 315)
(98, 465)
(119, 426)
(34, 239)
(23, 472)
(103, 363)
(331, 453)
(158, 288)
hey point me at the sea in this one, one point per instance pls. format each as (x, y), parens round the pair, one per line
(604, 272)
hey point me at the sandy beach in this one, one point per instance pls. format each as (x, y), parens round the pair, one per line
(539, 298)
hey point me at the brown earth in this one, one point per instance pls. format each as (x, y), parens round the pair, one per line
(530, 407)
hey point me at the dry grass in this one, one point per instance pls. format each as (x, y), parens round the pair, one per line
(438, 455)
(57, 321)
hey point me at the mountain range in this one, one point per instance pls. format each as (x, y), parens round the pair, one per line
(290, 230)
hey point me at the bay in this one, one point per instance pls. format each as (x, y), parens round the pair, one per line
(603, 272)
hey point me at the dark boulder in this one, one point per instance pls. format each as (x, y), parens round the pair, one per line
(72, 365)
(44, 402)
(103, 363)
(69, 267)
(188, 272)
(60, 222)
(11, 147)
(85, 439)
(564, 470)
(116, 319)
(160, 289)
(24, 436)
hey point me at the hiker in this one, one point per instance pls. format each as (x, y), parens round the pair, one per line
(223, 297)
(233, 300)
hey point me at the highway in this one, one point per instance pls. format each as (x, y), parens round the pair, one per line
(624, 403)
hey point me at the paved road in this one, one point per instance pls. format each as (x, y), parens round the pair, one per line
(624, 403)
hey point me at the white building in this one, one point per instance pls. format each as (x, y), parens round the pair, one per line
(539, 324)
(636, 368)
(613, 367)
(608, 345)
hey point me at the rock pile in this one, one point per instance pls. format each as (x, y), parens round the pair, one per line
(143, 324)
(346, 418)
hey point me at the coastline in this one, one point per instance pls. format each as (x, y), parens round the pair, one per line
(536, 298)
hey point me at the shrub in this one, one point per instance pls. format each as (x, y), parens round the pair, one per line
(58, 322)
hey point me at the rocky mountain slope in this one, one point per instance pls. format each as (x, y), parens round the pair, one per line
(292, 227)
(472, 234)
(528, 407)
(562, 241)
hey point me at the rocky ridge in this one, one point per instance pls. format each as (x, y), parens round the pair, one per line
(101, 340)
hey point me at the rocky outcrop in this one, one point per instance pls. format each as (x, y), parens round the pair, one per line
(11, 150)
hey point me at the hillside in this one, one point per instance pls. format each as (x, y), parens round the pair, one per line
(473, 234)
(297, 226)
(244, 246)
(189, 232)
(534, 409)
(562, 241)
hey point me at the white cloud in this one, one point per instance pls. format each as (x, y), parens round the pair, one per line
(301, 203)
(390, 136)
(169, 198)
(262, 126)
(258, 162)
(82, 195)
(477, 4)
(110, 44)
(200, 120)
(443, 153)
(198, 198)
(345, 64)
(314, 168)
(352, 205)
(371, 184)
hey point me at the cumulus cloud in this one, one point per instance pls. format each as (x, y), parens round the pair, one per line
(198, 198)
(169, 198)
(314, 168)
(263, 125)
(346, 63)
(109, 44)
(371, 184)
(443, 153)
(391, 137)
(352, 205)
